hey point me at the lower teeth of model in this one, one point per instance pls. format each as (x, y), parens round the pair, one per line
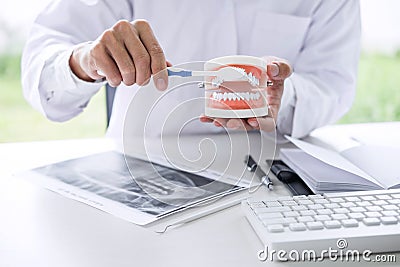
(236, 96)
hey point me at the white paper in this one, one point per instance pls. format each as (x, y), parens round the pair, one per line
(379, 161)
(332, 158)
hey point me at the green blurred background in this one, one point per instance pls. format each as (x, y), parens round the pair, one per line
(377, 99)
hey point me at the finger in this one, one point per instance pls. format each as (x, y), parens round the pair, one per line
(216, 123)
(157, 58)
(279, 70)
(118, 52)
(205, 119)
(266, 124)
(253, 123)
(238, 124)
(104, 63)
(139, 55)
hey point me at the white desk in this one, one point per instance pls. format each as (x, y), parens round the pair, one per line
(41, 228)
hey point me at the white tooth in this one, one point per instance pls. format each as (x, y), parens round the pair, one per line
(214, 95)
(220, 96)
(241, 96)
(247, 96)
(225, 96)
(230, 96)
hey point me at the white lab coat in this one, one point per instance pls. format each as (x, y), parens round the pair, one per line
(321, 39)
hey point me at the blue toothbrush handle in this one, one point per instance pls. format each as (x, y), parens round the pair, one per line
(181, 73)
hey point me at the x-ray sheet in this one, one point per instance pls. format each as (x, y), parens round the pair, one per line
(135, 190)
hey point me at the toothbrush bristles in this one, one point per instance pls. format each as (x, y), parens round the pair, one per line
(250, 77)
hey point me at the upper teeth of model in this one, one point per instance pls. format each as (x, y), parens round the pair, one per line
(253, 80)
(236, 96)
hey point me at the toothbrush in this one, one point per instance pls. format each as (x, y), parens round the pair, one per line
(223, 74)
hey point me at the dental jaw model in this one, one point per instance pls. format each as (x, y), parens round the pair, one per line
(240, 97)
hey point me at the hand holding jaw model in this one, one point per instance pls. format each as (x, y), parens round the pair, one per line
(249, 102)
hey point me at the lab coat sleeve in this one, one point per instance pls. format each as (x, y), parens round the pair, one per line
(47, 80)
(322, 87)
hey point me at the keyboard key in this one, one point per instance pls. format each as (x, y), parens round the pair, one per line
(337, 200)
(347, 204)
(285, 198)
(388, 220)
(275, 228)
(299, 207)
(372, 214)
(368, 198)
(297, 227)
(379, 202)
(371, 221)
(260, 210)
(356, 215)
(305, 202)
(341, 210)
(291, 214)
(315, 207)
(302, 197)
(332, 206)
(334, 224)
(352, 199)
(339, 216)
(264, 216)
(374, 208)
(350, 223)
(272, 204)
(308, 213)
(258, 204)
(383, 197)
(390, 207)
(289, 203)
(284, 221)
(397, 196)
(316, 196)
(394, 201)
(363, 203)
(321, 201)
(325, 212)
(358, 209)
(322, 217)
(390, 213)
(304, 219)
(315, 225)
(274, 209)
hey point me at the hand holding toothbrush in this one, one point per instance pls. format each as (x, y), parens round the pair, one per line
(128, 52)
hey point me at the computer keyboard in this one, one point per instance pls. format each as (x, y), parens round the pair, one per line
(360, 221)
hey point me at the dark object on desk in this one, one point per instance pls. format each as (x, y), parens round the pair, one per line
(253, 167)
(288, 177)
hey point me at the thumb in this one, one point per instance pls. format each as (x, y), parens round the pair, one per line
(279, 70)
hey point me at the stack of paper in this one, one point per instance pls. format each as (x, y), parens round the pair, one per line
(358, 168)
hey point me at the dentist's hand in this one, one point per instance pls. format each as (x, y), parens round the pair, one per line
(277, 72)
(128, 52)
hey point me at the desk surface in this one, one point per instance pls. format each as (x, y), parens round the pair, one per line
(41, 228)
